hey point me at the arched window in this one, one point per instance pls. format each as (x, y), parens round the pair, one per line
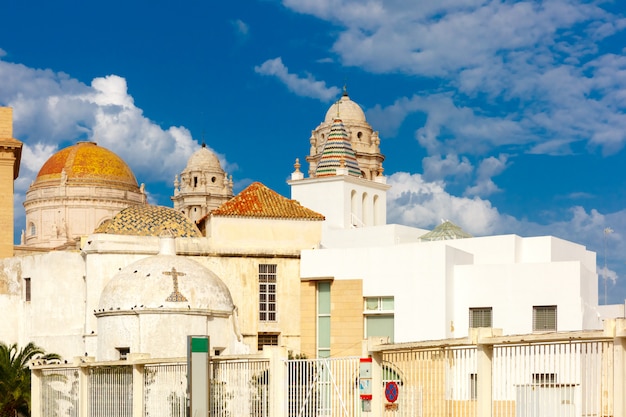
(366, 217)
(32, 229)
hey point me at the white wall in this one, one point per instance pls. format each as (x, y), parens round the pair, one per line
(435, 283)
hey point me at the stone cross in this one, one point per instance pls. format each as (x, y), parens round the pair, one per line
(175, 295)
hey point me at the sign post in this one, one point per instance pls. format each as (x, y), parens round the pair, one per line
(198, 376)
(365, 384)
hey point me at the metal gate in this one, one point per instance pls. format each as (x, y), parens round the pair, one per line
(323, 387)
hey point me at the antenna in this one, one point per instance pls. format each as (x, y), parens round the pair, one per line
(607, 230)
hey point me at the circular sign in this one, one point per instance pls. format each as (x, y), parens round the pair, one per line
(391, 391)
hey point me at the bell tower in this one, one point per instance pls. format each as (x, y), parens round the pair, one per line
(10, 155)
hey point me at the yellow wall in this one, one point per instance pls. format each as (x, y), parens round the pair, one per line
(346, 318)
(10, 151)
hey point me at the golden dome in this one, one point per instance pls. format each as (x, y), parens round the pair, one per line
(86, 163)
(147, 220)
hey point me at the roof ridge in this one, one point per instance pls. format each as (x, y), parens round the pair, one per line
(258, 200)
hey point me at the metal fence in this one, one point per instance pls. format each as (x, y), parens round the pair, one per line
(557, 379)
(165, 390)
(555, 375)
(322, 387)
(431, 382)
(59, 392)
(240, 388)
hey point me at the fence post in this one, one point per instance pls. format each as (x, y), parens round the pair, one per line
(619, 370)
(138, 383)
(377, 384)
(278, 375)
(35, 392)
(83, 385)
(484, 352)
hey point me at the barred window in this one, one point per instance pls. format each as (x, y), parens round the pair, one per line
(544, 318)
(480, 317)
(267, 292)
(266, 339)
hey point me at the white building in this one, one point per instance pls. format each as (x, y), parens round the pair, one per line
(423, 286)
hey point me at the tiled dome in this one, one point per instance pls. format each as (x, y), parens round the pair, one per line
(337, 153)
(86, 163)
(147, 220)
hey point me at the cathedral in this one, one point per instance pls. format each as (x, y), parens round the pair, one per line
(100, 273)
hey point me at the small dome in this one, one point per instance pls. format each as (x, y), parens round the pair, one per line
(203, 159)
(147, 220)
(348, 110)
(86, 163)
(167, 282)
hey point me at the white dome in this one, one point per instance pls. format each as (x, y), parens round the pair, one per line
(203, 159)
(168, 282)
(348, 110)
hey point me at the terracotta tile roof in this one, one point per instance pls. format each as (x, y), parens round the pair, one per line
(259, 201)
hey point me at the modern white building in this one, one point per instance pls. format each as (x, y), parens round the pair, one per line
(420, 285)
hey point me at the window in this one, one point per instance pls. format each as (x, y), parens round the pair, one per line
(544, 318)
(26, 289)
(379, 317)
(123, 352)
(266, 339)
(544, 379)
(32, 229)
(480, 317)
(267, 292)
(323, 319)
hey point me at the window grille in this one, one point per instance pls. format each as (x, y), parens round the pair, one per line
(267, 292)
(544, 318)
(480, 317)
(266, 339)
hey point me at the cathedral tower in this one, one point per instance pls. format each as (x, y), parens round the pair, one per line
(10, 155)
(203, 185)
(345, 181)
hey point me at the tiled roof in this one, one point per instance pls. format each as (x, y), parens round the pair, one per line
(337, 153)
(87, 163)
(259, 201)
(147, 220)
(445, 231)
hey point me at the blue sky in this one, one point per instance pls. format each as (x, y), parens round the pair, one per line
(501, 116)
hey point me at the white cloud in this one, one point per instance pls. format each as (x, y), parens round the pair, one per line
(241, 27)
(416, 202)
(436, 168)
(538, 64)
(306, 87)
(488, 168)
(52, 110)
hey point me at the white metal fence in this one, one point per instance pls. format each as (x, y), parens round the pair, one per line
(322, 387)
(240, 388)
(558, 379)
(576, 374)
(110, 391)
(59, 392)
(165, 390)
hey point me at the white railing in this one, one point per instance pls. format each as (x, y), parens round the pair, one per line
(322, 387)
(572, 374)
(431, 382)
(165, 390)
(559, 378)
(59, 392)
(240, 388)
(562, 379)
(110, 391)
